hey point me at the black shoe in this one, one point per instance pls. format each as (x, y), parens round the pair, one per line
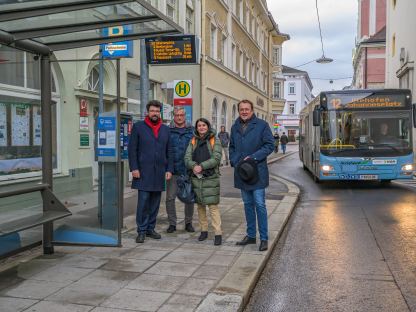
(153, 234)
(140, 237)
(246, 240)
(217, 240)
(226, 163)
(203, 236)
(171, 229)
(263, 245)
(189, 228)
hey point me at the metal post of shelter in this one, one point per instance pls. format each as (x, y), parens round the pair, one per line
(119, 172)
(144, 79)
(47, 167)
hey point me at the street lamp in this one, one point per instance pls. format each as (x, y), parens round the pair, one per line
(324, 60)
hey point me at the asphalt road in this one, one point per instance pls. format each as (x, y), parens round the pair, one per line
(347, 247)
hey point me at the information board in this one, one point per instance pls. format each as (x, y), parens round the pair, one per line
(171, 50)
(106, 146)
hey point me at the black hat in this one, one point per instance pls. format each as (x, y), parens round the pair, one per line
(247, 171)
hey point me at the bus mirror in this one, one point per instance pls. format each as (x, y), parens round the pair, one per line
(414, 115)
(316, 118)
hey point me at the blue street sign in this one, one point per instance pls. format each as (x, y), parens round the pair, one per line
(117, 49)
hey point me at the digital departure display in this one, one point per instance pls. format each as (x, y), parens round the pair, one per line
(171, 50)
(365, 101)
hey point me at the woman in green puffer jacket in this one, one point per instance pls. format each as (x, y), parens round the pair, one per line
(203, 157)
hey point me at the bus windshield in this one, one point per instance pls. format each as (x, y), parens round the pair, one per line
(352, 133)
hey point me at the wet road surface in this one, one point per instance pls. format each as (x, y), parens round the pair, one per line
(347, 247)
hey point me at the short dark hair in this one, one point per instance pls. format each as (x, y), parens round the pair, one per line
(154, 103)
(245, 101)
(205, 121)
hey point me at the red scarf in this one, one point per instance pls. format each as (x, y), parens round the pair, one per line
(154, 126)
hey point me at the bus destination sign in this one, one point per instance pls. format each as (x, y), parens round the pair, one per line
(171, 50)
(365, 101)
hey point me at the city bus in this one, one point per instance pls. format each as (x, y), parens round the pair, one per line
(358, 135)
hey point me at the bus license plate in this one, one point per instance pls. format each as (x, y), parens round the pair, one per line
(368, 177)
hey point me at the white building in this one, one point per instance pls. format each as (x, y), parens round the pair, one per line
(401, 46)
(297, 93)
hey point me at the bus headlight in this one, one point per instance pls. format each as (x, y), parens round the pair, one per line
(326, 168)
(408, 167)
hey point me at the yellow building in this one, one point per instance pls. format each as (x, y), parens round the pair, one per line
(241, 59)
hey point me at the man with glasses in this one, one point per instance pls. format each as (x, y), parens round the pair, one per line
(180, 135)
(151, 162)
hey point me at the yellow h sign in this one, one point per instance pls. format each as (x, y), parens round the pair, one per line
(182, 88)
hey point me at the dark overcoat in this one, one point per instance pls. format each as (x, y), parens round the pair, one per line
(257, 142)
(151, 156)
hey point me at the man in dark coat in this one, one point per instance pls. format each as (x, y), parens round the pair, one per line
(150, 160)
(251, 138)
(283, 141)
(180, 135)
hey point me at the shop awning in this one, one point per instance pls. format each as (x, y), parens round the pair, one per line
(43, 26)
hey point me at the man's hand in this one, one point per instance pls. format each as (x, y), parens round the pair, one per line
(197, 169)
(136, 174)
(168, 176)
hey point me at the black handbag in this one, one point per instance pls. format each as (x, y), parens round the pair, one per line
(185, 192)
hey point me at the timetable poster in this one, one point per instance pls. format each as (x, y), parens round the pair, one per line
(20, 125)
(37, 125)
(3, 125)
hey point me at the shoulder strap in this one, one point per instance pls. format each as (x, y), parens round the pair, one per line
(211, 141)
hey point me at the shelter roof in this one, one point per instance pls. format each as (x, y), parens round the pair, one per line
(43, 26)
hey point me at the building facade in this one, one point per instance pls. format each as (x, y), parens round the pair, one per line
(238, 38)
(297, 93)
(401, 47)
(237, 42)
(369, 57)
(75, 77)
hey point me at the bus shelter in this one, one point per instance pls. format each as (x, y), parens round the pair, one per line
(42, 27)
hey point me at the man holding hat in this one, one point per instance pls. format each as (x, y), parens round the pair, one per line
(250, 143)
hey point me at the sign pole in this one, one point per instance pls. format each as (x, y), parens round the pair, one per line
(144, 79)
(100, 111)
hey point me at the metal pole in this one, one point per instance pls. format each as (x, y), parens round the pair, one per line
(119, 179)
(144, 79)
(47, 166)
(100, 111)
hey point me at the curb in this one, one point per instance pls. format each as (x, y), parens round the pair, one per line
(233, 292)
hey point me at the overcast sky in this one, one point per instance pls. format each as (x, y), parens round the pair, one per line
(339, 27)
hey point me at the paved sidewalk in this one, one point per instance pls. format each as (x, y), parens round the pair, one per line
(176, 273)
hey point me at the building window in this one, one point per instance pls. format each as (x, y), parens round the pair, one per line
(234, 113)
(247, 18)
(189, 20)
(214, 116)
(133, 93)
(223, 49)
(276, 89)
(393, 45)
(276, 56)
(292, 88)
(171, 9)
(247, 72)
(253, 73)
(291, 108)
(213, 42)
(241, 64)
(394, 3)
(233, 58)
(94, 79)
(224, 115)
(241, 10)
